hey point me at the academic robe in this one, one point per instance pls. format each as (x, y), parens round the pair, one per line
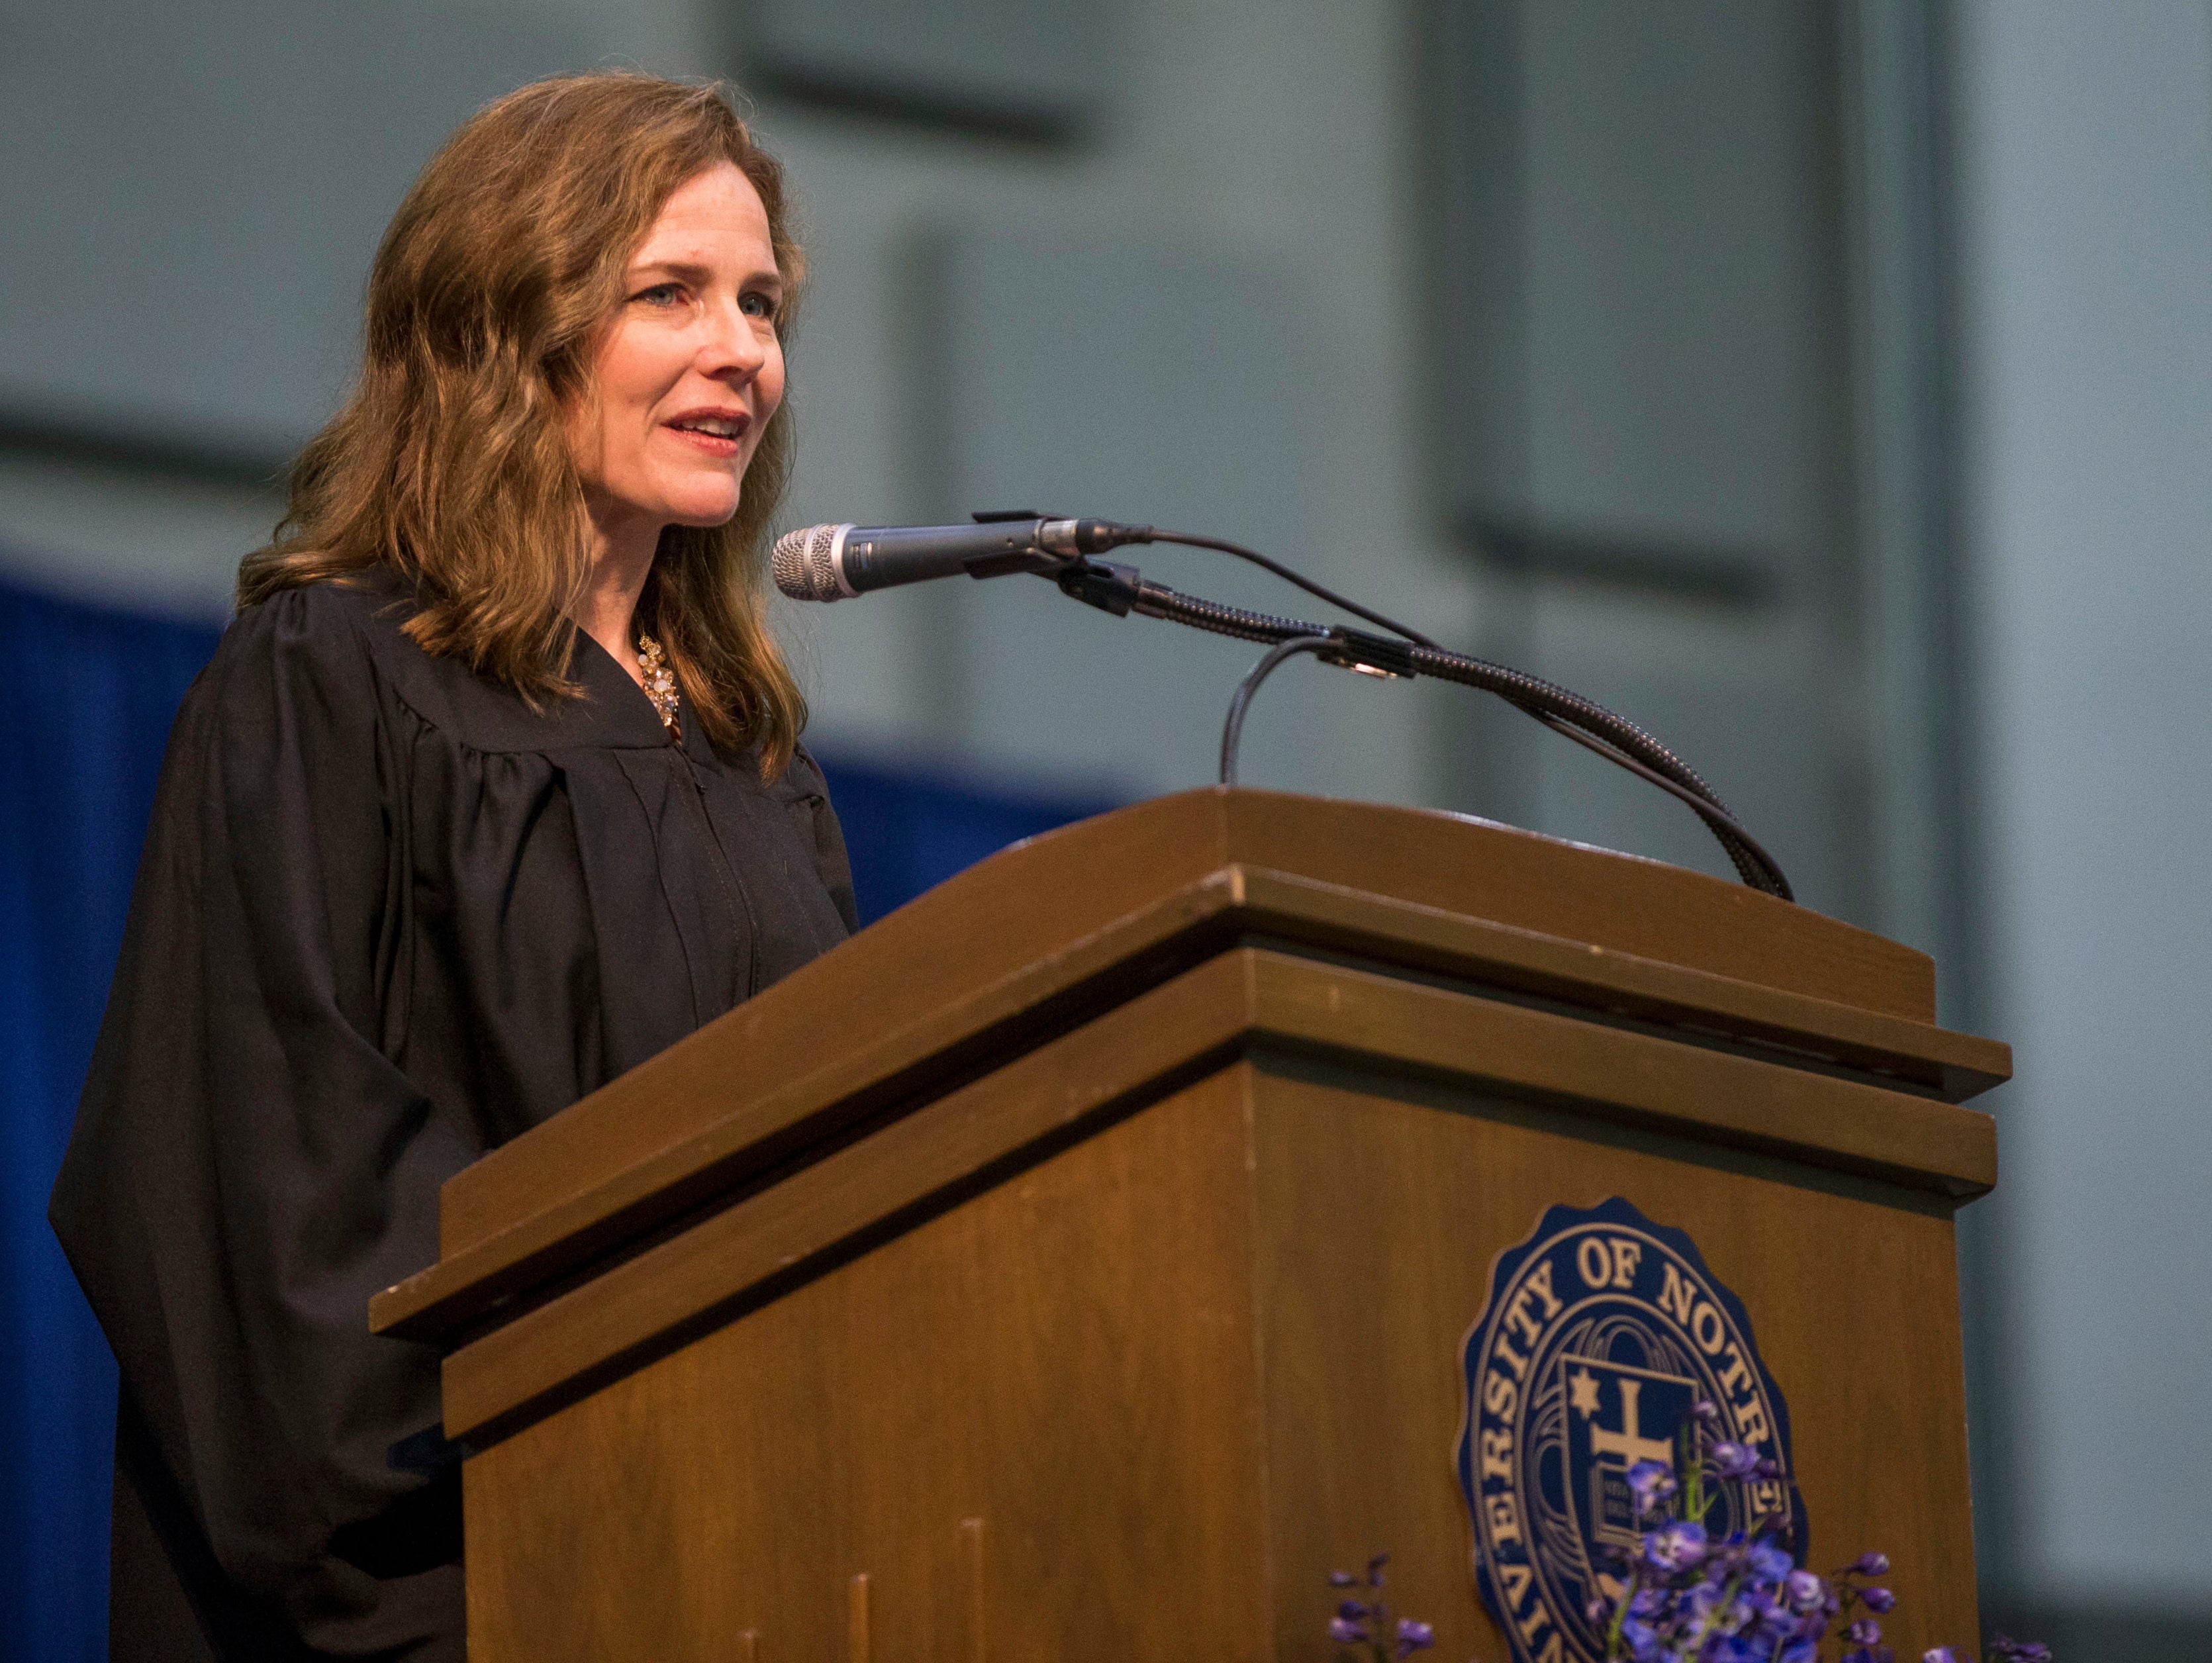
(388, 917)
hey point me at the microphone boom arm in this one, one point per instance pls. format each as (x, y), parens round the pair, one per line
(1118, 588)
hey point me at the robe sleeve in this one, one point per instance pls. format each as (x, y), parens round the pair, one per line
(807, 785)
(249, 1165)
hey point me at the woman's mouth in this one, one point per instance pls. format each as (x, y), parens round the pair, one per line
(717, 433)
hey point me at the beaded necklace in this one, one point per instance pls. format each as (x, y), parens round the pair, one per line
(660, 682)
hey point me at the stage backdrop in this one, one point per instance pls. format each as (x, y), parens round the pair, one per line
(86, 699)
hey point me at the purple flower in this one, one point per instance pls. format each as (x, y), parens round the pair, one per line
(2020, 1651)
(1872, 1565)
(1804, 1590)
(1942, 1654)
(1414, 1636)
(1649, 1482)
(1364, 1623)
(1808, 1630)
(1880, 1599)
(1799, 1651)
(1770, 1563)
(1642, 1640)
(1698, 1604)
(1733, 1461)
(1864, 1632)
(1706, 1410)
(1773, 1612)
(1675, 1546)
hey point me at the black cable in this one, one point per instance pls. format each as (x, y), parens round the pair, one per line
(1751, 861)
(1534, 694)
(1232, 731)
(1556, 707)
(1160, 602)
(1317, 590)
(1611, 736)
(1569, 713)
(1122, 589)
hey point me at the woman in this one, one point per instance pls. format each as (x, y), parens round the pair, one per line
(493, 790)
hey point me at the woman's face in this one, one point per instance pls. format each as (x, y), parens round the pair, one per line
(690, 370)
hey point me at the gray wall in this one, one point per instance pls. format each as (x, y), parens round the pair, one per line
(189, 207)
(2087, 248)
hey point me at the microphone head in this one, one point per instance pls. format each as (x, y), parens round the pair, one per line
(804, 564)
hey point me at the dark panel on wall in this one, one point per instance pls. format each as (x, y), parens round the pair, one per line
(1040, 67)
(1643, 321)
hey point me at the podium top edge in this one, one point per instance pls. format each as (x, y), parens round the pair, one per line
(1506, 874)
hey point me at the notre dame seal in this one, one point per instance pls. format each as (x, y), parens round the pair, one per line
(1602, 1333)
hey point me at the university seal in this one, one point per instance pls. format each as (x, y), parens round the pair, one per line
(1603, 1331)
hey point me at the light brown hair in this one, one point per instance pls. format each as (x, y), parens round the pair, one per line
(449, 465)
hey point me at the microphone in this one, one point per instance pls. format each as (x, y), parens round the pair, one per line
(837, 562)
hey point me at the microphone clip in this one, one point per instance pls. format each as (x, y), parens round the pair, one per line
(1370, 655)
(1110, 586)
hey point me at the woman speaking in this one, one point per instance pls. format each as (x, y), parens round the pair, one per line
(493, 790)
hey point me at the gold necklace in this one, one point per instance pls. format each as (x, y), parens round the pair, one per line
(660, 682)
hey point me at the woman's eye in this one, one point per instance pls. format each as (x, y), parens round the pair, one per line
(660, 295)
(757, 305)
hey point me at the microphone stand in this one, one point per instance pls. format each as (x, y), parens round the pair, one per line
(1117, 588)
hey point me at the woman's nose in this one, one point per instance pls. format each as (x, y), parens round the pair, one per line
(733, 343)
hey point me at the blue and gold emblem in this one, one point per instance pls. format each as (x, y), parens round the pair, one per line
(1603, 1331)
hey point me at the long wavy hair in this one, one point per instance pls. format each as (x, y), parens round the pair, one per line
(448, 465)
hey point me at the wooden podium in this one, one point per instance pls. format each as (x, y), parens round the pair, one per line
(1075, 1263)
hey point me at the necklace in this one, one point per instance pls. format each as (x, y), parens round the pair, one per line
(660, 682)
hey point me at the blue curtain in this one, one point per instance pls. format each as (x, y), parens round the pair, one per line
(86, 699)
(87, 695)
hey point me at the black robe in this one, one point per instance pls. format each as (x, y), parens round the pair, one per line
(387, 918)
